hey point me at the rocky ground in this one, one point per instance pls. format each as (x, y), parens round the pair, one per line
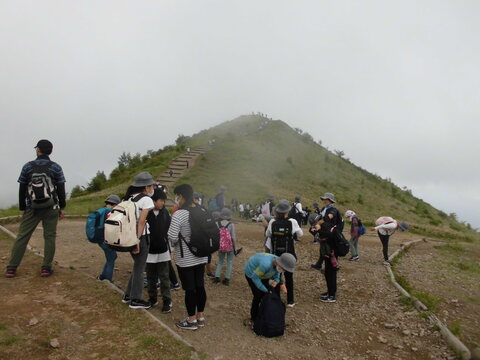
(367, 322)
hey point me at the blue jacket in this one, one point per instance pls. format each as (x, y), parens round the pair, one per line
(260, 267)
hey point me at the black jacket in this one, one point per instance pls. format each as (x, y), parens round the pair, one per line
(159, 225)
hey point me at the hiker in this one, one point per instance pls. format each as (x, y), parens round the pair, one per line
(297, 210)
(354, 234)
(281, 232)
(385, 227)
(158, 258)
(220, 198)
(307, 213)
(139, 192)
(316, 208)
(186, 163)
(191, 268)
(228, 246)
(241, 210)
(110, 254)
(267, 207)
(263, 273)
(170, 173)
(41, 199)
(330, 221)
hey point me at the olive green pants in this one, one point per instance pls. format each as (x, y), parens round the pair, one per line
(49, 219)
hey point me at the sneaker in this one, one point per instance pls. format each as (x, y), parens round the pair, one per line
(185, 324)
(316, 267)
(356, 258)
(139, 304)
(101, 278)
(175, 286)
(291, 305)
(126, 299)
(216, 280)
(153, 301)
(226, 282)
(324, 296)
(167, 306)
(329, 299)
(237, 252)
(351, 258)
(10, 273)
(210, 274)
(46, 272)
(201, 322)
(387, 263)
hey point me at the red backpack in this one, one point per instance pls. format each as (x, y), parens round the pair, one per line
(226, 244)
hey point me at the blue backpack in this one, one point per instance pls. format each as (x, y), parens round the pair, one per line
(95, 225)
(361, 228)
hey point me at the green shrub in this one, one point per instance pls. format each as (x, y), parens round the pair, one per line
(429, 300)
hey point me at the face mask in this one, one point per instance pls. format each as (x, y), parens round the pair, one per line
(151, 193)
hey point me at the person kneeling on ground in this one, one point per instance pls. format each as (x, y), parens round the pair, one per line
(158, 258)
(263, 272)
(282, 231)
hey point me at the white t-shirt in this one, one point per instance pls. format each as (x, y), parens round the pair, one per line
(144, 203)
(295, 230)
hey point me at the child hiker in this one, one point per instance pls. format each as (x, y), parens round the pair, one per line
(228, 240)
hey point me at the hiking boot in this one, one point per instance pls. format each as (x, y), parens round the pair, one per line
(153, 301)
(185, 324)
(237, 252)
(175, 286)
(139, 304)
(356, 258)
(46, 272)
(226, 282)
(126, 299)
(210, 274)
(216, 280)
(316, 266)
(351, 258)
(167, 306)
(387, 263)
(329, 299)
(324, 296)
(10, 273)
(201, 322)
(291, 304)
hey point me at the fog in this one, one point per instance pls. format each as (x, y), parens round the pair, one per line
(393, 85)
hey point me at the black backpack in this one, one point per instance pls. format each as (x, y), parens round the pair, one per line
(282, 237)
(340, 245)
(41, 190)
(205, 235)
(270, 321)
(337, 218)
(292, 214)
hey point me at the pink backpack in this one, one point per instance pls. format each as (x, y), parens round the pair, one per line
(226, 244)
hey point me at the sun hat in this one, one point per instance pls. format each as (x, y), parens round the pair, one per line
(225, 214)
(298, 198)
(403, 226)
(223, 188)
(315, 204)
(216, 215)
(283, 207)
(287, 261)
(328, 196)
(143, 179)
(271, 197)
(113, 199)
(44, 146)
(349, 213)
(314, 218)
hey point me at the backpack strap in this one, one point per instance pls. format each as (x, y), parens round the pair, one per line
(138, 197)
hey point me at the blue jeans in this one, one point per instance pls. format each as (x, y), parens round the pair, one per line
(221, 259)
(111, 256)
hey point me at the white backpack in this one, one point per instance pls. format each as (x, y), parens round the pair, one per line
(121, 227)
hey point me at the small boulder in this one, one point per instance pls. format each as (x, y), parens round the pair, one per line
(54, 343)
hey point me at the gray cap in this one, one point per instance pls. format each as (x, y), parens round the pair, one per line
(216, 215)
(297, 198)
(113, 199)
(196, 195)
(225, 214)
(271, 197)
(283, 207)
(223, 188)
(403, 226)
(287, 261)
(328, 196)
(315, 204)
(314, 218)
(143, 179)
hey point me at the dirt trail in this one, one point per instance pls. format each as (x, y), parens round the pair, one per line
(367, 322)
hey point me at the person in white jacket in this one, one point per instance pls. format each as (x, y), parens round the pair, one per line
(386, 226)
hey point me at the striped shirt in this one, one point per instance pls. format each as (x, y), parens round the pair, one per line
(56, 170)
(180, 224)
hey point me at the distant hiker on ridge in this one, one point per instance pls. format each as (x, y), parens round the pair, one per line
(41, 198)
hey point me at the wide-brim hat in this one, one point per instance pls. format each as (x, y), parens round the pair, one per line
(403, 226)
(143, 179)
(287, 261)
(283, 207)
(225, 214)
(328, 196)
(298, 198)
(113, 199)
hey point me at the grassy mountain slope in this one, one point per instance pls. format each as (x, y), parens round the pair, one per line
(254, 160)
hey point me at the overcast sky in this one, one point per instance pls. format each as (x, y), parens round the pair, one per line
(396, 85)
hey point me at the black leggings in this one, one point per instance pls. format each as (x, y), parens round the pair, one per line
(384, 239)
(289, 284)
(330, 278)
(257, 296)
(172, 275)
(194, 286)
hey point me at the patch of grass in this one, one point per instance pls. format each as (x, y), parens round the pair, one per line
(145, 342)
(404, 283)
(407, 302)
(467, 265)
(429, 300)
(474, 299)
(451, 248)
(455, 328)
(9, 340)
(3, 327)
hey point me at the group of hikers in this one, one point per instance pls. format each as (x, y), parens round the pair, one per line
(157, 235)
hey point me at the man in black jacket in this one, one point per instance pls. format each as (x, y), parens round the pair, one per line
(158, 259)
(41, 198)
